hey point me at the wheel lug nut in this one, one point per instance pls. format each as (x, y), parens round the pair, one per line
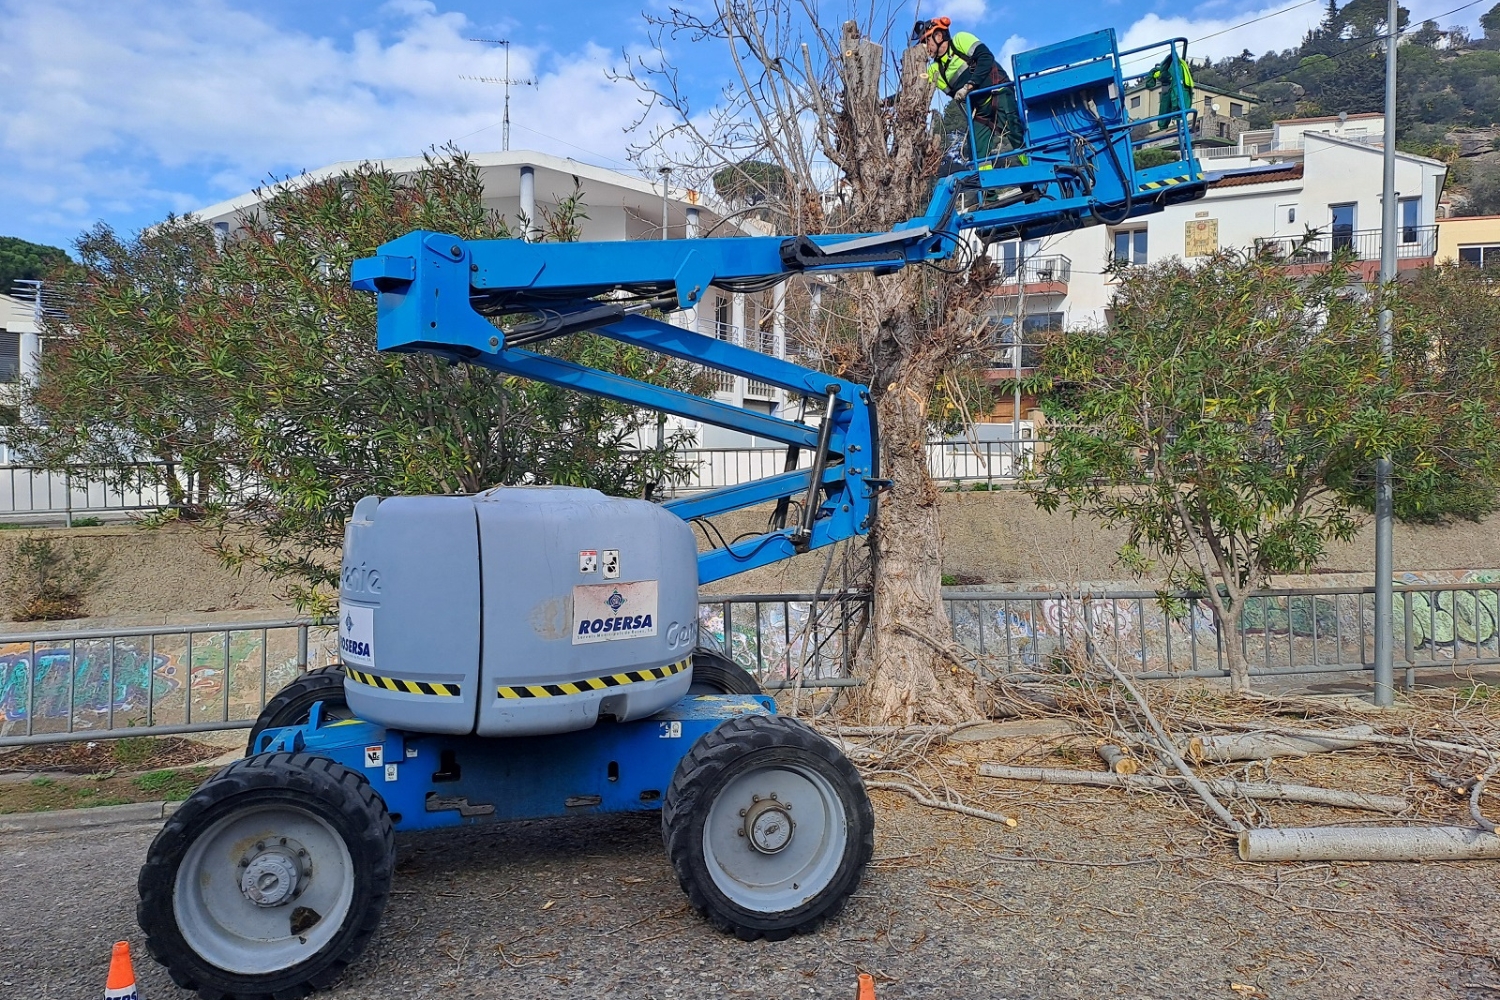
(743, 811)
(755, 798)
(773, 796)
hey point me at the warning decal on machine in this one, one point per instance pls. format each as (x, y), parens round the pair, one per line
(604, 611)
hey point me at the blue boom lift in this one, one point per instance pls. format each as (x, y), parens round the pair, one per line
(533, 652)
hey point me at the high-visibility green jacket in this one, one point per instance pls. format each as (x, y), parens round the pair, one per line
(968, 61)
(1165, 76)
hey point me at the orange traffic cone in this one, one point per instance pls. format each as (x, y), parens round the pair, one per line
(866, 989)
(121, 982)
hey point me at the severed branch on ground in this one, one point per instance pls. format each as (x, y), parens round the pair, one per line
(1264, 790)
(1162, 746)
(1369, 843)
(1118, 760)
(1264, 745)
(931, 803)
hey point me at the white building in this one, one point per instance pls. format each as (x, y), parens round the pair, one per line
(1324, 174)
(619, 207)
(20, 345)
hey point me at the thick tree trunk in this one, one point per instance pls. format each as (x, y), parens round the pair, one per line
(911, 328)
(911, 679)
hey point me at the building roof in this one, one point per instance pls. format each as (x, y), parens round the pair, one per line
(1354, 143)
(1329, 118)
(502, 179)
(1282, 172)
(1468, 218)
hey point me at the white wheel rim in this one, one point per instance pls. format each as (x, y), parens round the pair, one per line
(307, 887)
(759, 862)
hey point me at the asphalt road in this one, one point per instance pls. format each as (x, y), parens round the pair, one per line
(590, 908)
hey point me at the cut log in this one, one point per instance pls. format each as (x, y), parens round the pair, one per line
(1376, 738)
(1266, 790)
(1265, 745)
(1118, 760)
(1369, 843)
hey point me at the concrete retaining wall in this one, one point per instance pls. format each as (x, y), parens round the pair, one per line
(166, 575)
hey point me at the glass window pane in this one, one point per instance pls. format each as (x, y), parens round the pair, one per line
(1410, 218)
(1471, 255)
(1140, 247)
(1122, 247)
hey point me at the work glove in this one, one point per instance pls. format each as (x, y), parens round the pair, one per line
(963, 92)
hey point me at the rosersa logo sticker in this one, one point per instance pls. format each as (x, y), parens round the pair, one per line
(607, 611)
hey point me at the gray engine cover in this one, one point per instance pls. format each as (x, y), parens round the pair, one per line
(520, 611)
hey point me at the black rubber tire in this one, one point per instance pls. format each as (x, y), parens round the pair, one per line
(290, 705)
(343, 799)
(715, 673)
(735, 746)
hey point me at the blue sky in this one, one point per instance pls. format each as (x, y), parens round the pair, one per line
(126, 110)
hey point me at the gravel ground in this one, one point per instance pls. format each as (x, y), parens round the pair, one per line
(1146, 906)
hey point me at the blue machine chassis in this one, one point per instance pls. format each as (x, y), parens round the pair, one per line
(433, 781)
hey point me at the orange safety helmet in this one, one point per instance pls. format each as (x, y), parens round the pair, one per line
(923, 29)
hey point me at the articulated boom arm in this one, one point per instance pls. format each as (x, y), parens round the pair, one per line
(443, 295)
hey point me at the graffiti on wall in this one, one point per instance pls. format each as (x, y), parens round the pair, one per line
(134, 680)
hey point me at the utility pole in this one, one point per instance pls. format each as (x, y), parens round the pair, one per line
(506, 81)
(1384, 504)
(1018, 341)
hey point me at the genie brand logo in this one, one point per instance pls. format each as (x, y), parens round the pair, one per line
(361, 579)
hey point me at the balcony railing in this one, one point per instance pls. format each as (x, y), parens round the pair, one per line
(1053, 269)
(1413, 242)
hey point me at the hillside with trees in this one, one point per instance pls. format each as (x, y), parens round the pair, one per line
(21, 260)
(1447, 91)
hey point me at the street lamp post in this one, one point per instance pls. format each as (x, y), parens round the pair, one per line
(1384, 501)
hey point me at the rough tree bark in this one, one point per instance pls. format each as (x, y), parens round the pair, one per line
(907, 341)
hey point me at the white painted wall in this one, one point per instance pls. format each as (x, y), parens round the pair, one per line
(1334, 172)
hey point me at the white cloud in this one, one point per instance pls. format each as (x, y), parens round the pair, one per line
(136, 102)
(963, 12)
(1013, 44)
(1284, 28)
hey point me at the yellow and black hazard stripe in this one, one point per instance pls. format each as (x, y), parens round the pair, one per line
(396, 684)
(593, 683)
(1171, 182)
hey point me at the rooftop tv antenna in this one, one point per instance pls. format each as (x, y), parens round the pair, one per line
(506, 81)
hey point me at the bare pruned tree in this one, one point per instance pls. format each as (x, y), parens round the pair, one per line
(845, 140)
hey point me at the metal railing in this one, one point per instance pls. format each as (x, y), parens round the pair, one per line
(1050, 269)
(954, 463)
(1302, 631)
(1414, 242)
(83, 490)
(84, 685)
(59, 686)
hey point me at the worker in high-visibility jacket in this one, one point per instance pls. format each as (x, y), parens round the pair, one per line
(959, 64)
